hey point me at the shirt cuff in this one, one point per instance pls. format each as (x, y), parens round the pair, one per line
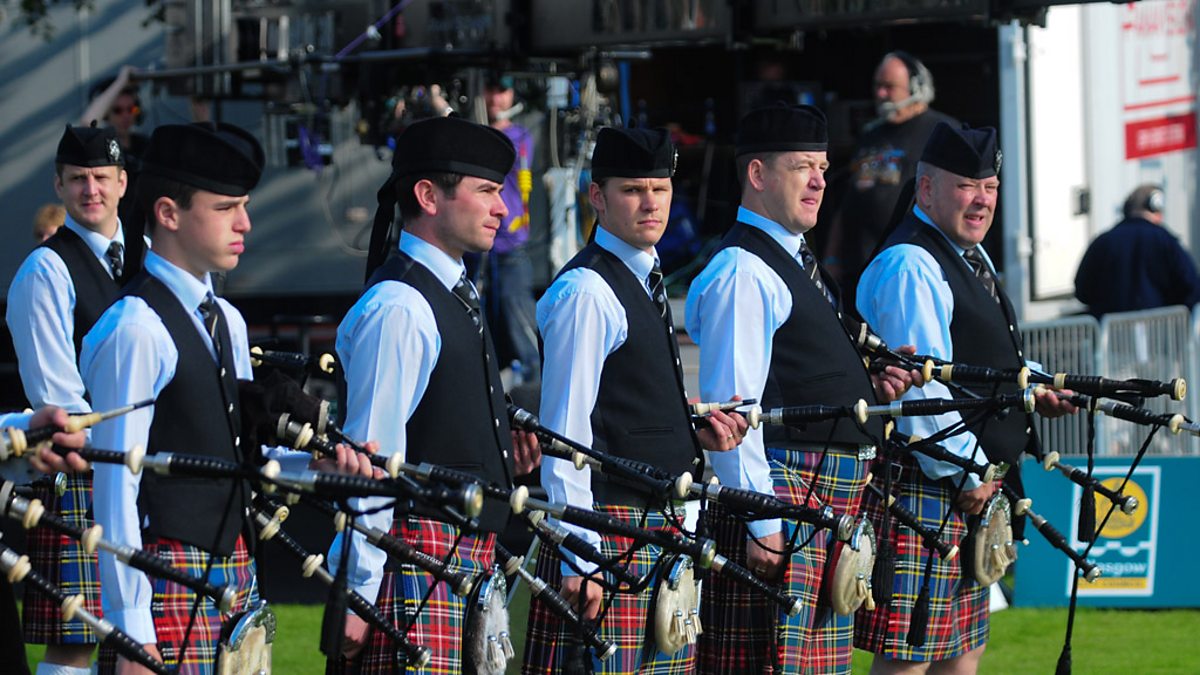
(764, 528)
(369, 590)
(138, 622)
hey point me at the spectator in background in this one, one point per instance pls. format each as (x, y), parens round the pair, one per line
(115, 102)
(508, 292)
(1138, 264)
(47, 220)
(885, 159)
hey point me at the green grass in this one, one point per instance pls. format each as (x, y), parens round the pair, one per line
(1023, 641)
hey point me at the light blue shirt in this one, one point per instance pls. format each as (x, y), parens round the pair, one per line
(905, 297)
(41, 317)
(733, 309)
(581, 322)
(388, 344)
(129, 356)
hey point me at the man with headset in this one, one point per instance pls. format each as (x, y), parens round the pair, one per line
(1138, 264)
(885, 159)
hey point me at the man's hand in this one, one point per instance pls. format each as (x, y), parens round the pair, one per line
(725, 431)
(764, 564)
(125, 667)
(49, 461)
(349, 461)
(587, 603)
(973, 501)
(1048, 404)
(891, 384)
(354, 637)
(527, 455)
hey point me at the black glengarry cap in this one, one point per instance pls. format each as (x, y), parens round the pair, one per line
(782, 128)
(89, 146)
(633, 153)
(966, 152)
(453, 145)
(217, 157)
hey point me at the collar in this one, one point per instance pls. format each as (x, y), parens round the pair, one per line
(790, 241)
(638, 261)
(190, 290)
(446, 269)
(95, 241)
(923, 217)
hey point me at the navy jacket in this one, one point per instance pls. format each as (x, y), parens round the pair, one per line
(1136, 265)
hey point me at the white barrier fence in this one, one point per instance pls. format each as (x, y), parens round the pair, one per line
(1158, 344)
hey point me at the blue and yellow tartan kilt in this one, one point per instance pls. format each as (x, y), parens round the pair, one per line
(171, 605)
(436, 624)
(958, 607)
(62, 560)
(627, 619)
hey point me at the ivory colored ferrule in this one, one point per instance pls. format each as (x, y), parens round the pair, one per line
(256, 353)
(91, 538)
(325, 363)
(519, 500)
(311, 564)
(70, 606)
(134, 459)
(393, 465)
(754, 416)
(927, 370)
(683, 485)
(1023, 377)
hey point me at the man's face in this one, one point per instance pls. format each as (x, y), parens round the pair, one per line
(961, 207)
(891, 86)
(794, 185)
(212, 233)
(468, 221)
(91, 194)
(123, 112)
(633, 209)
(497, 100)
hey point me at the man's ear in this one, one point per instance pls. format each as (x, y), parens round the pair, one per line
(166, 214)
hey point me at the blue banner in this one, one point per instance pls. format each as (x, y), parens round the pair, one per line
(1146, 558)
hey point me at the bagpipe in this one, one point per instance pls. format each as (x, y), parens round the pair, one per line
(989, 547)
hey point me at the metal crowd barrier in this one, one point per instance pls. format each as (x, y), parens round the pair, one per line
(1069, 344)
(1158, 344)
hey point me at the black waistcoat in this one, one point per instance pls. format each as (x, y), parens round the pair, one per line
(462, 419)
(641, 411)
(984, 333)
(196, 413)
(95, 290)
(813, 361)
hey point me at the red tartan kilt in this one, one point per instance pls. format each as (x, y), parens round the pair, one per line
(628, 621)
(958, 605)
(439, 624)
(62, 561)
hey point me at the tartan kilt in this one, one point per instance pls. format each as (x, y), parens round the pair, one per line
(745, 632)
(171, 605)
(816, 640)
(628, 621)
(958, 607)
(438, 623)
(62, 561)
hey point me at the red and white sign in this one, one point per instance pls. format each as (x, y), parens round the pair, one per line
(1157, 95)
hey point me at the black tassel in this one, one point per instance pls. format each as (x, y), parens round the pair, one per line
(578, 658)
(1087, 515)
(884, 573)
(1064, 662)
(919, 625)
(333, 622)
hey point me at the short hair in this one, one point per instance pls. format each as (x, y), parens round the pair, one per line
(407, 200)
(47, 220)
(742, 163)
(151, 187)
